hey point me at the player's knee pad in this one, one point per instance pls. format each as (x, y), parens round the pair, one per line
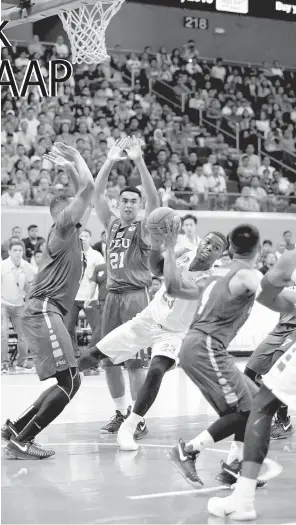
(256, 378)
(69, 381)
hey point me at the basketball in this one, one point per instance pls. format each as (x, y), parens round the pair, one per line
(157, 218)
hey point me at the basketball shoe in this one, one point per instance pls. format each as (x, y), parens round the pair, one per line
(233, 508)
(26, 450)
(184, 458)
(115, 422)
(229, 474)
(281, 429)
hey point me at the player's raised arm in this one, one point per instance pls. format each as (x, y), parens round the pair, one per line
(81, 177)
(103, 211)
(273, 291)
(134, 152)
(156, 259)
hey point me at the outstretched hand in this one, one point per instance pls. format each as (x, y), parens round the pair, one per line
(68, 152)
(115, 153)
(170, 237)
(56, 159)
(133, 148)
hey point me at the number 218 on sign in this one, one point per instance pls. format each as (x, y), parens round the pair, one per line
(193, 22)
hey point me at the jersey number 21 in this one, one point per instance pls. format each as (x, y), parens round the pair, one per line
(116, 260)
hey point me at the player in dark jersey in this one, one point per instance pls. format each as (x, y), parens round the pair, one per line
(222, 310)
(52, 294)
(278, 386)
(263, 358)
(128, 275)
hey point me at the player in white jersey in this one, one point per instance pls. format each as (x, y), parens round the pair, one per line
(279, 386)
(162, 325)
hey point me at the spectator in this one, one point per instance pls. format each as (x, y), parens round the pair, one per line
(31, 242)
(182, 193)
(24, 137)
(254, 162)
(216, 181)
(155, 286)
(16, 280)
(208, 166)
(101, 245)
(11, 198)
(266, 166)
(281, 247)
(198, 182)
(61, 48)
(257, 191)
(36, 260)
(188, 240)
(36, 47)
(246, 202)
(290, 245)
(218, 73)
(245, 171)
(270, 261)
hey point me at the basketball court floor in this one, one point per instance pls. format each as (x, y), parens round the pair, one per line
(91, 481)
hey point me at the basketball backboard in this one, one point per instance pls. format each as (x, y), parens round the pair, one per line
(39, 9)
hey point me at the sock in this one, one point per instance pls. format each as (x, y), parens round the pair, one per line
(201, 441)
(120, 404)
(53, 404)
(28, 415)
(133, 420)
(245, 489)
(236, 452)
(282, 413)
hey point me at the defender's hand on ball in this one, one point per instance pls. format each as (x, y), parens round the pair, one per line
(170, 237)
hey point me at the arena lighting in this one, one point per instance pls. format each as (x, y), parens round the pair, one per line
(219, 30)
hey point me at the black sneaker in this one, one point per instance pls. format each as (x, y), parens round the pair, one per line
(8, 431)
(141, 430)
(114, 424)
(229, 474)
(184, 460)
(281, 429)
(26, 450)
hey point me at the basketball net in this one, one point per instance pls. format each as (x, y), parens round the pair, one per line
(86, 28)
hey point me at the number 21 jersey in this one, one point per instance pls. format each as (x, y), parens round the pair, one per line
(127, 258)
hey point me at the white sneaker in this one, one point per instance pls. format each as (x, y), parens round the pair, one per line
(233, 508)
(125, 438)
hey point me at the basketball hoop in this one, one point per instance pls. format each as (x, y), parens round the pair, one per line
(86, 27)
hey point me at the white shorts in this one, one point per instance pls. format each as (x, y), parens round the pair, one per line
(281, 379)
(139, 333)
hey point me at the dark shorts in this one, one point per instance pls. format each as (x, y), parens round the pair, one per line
(120, 308)
(48, 338)
(261, 360)
(213, 370)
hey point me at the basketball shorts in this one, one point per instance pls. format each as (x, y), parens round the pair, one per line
(141, 332)
(281, 379)
(120, 308)
(48, 338)
(208, 364)
(261, 359)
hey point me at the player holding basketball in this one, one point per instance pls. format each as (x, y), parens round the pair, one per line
(128, 247)
(163, 325)
(52, 295)
(222, 310)
(278, 386)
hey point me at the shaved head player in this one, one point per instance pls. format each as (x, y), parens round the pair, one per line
(128, 275)
(52, 294)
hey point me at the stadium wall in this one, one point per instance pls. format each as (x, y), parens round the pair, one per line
(270, 225)
(245, 38)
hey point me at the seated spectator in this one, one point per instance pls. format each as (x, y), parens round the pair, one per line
(254, 161)
(244, 107)
(263, 124)
(246, 202)
(111, 195)
(290, 245)
(266, 166)
(281, 248)
(61, 48)
(209, 166)
(22, 185)
(182, 193)
(11, 198)
(257, 191)
(42, 194)
(216, 182)
(36, 260)
(22, 60)
(245, 171)
(36, 47)
(24, 136)
(193, 67)
(198, 182)
(32, 242)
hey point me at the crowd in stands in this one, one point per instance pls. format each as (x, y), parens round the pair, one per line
(215, 136)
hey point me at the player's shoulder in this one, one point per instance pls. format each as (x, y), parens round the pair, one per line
(250, 278)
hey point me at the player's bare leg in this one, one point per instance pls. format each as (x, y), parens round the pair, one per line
(145, 399)
(240, 505)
